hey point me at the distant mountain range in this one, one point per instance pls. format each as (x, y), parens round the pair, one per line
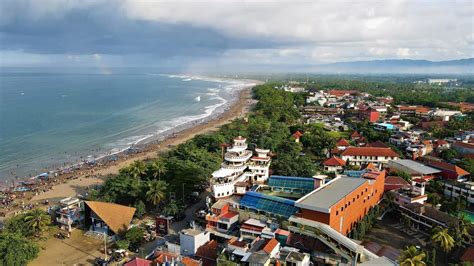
(402, 66)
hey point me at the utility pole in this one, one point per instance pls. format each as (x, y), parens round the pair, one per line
(105, 245)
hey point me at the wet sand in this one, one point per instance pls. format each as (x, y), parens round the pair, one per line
(96, 176)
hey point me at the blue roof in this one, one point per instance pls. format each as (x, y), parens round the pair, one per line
(354, 173)
(294, 182)
(270, 204)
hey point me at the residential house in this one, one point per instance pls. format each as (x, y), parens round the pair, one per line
(222, 218)
(208, 253)
(411, 194)
(334, 164)
(138, 262)
(191, 239)
(395, 183)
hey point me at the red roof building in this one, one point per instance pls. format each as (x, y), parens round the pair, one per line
(297, 135)
(468, 255)
(208, 253)
(377, 144)
(394, 183)
(272, 247)
(449, 171)
(355, 135)
(334, 161)
(342, 93)
(369, 114)
(334, 164)
(343, 143)
(138, 262)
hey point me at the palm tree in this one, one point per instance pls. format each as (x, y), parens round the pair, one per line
(156, 191)
(137, 169)
(412, 256)
(171, 208)
(460, 230)
(442, 238)
(37, 220)
(158, 168)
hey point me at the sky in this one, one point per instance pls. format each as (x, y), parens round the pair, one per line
(191, 35)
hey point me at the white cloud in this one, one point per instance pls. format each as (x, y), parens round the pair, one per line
(379, 28)
(309, 31)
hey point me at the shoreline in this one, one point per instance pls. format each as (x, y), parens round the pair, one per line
(78, 182)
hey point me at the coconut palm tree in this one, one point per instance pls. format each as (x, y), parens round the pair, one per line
(460, 230)
(138, 169)
(156, 191)
(442, 239)
(171, 208)
(411, 256)
(158, 168)
(37, 220)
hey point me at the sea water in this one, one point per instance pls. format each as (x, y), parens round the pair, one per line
(51, 119)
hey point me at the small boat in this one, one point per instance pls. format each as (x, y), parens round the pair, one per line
(197, 99)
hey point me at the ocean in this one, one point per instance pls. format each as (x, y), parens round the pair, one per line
(49, 120)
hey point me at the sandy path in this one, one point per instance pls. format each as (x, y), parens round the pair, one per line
(79, 185)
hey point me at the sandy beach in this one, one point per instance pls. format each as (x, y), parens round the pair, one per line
(66, 187)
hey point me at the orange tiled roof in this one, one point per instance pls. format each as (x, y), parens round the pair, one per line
(343, 142)
(297, 134)
(138, 262)
(270, 246)
(164, 256)
(190, 262)
(450, 167)
(208, 250)
(369, 151)
(116, 216)
(355, 134)
(334, 161)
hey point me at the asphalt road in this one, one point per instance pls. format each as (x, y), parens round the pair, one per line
(189, 213)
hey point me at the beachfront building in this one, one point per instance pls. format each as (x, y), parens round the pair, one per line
(365, 155)
(107, 219)
(241, 166)
(344, 201)
(70, 213)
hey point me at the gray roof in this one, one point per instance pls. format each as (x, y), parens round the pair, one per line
(258, 258)
(415, 166)
(322, 199)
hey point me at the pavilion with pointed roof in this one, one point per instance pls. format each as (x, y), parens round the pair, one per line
(107, 218)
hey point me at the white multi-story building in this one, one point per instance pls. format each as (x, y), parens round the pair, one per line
(365, 155)
(240, 166)
(191, 239)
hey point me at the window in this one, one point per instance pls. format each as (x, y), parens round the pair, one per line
(342, 208)
(337, 212)
(357, 196)
(354, 199)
